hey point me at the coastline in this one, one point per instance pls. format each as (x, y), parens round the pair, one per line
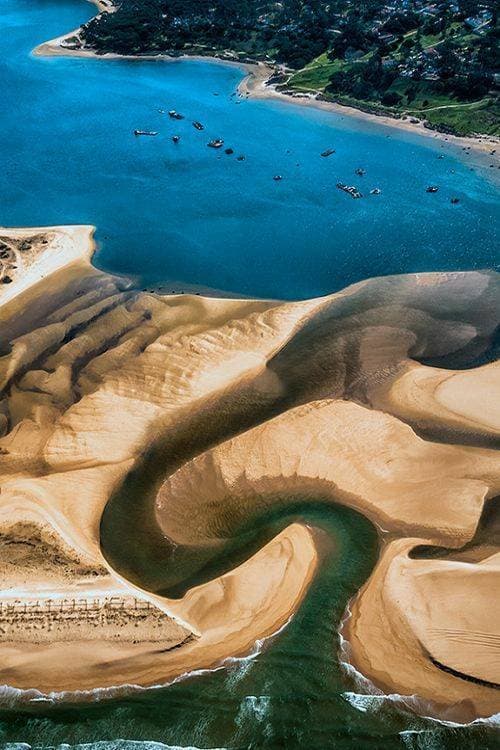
(90, 355)
(254, 85)
(246, 613)
(51, 560)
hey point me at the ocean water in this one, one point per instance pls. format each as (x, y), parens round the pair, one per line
(191, 215)
(188, 215)
(292, 692)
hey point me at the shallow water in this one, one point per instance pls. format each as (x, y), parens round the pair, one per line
(190, 215)
(292, 694)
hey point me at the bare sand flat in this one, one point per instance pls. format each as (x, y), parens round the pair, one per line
(253, 404)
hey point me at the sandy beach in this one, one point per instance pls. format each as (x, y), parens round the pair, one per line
(58, 591)
(319, 399)
(255, 85)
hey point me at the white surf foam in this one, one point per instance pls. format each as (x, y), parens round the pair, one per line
(11, 697)
(107, 745)
(367, 697)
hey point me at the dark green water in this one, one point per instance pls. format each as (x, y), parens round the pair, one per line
(292, 694)
(189, 217)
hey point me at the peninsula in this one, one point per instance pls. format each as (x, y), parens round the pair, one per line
(427, 64)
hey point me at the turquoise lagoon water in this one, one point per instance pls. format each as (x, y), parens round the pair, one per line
(191, 216)
(188, 214)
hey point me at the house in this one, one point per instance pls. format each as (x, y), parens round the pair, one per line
(351, 54)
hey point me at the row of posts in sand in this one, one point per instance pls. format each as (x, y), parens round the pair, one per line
(84, 608)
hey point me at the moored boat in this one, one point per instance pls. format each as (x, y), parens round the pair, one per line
(216, 143)
(198, 125)
(432, 189)
(145, 132)
(328, 152)
(175, 115)
(350, 190)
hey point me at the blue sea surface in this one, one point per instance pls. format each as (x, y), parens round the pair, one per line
(189, 215)
(192, 215)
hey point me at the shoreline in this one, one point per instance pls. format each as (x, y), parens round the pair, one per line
(228, 631)
(127, 352)
(254, 85)
(214, 621)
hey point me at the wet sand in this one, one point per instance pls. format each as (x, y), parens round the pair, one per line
(318, 399)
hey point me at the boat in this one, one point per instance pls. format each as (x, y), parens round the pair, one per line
(175, 115)
(216, 143)
(375, 191)
(360, 172)
(455, 201)
(277, 178)
(198, 125)
(229, 151)
(432, 189)
(328, 152)
(241, 158)
(350, 190)
(176, 138)
(145, 132)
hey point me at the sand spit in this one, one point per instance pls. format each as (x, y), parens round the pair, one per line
(255, 84)
(445, 641)
(63, 337)
(254, 405)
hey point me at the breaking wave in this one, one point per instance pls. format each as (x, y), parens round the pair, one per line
(109, 745)
(368, 698)
(11, 697)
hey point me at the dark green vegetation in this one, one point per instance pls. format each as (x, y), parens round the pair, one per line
(436, 61)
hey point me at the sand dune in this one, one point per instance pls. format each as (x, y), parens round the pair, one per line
(246, 406)
(339, 451)
(430, 628)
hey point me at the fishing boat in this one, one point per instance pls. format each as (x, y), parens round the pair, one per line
(328, 152)
(350, 190)
(145, 132)
(432, 189)
(198, 125)
(216, 143)
(175, 115)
